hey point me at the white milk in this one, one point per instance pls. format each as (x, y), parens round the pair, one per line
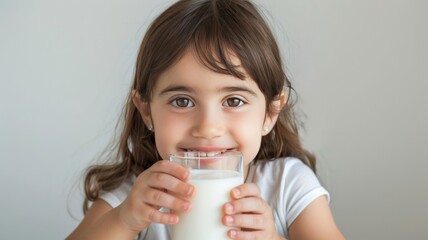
(203, 222)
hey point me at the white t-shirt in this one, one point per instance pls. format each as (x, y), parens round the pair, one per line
(286, 184)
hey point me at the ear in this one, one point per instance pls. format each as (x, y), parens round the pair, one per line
(273, 111)
(143, 107)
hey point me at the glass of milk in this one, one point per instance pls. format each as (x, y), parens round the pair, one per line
(213, 175)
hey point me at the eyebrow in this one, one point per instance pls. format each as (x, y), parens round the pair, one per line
(239, 89)
(176, 88)
(180, 88)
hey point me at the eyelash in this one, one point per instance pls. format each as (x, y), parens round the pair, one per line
(226, 103)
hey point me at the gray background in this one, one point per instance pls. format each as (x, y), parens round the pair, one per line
(360, 68)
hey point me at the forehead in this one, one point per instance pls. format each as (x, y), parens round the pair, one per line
(191, 71)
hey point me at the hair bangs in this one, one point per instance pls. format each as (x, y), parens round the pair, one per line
(215, 49)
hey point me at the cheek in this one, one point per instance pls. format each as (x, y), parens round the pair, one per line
(168, 132)
(247, 132)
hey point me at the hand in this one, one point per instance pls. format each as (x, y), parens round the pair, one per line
(251, 213)
(164, 184)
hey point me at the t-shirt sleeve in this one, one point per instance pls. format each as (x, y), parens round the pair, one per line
(301, 188)
(117, 196)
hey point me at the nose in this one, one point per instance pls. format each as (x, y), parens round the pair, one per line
(208, 124)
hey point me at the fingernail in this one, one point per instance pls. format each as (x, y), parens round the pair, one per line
(229, 220)
(186, 175)
(229, 208)
(186, 206)
(173, 219)
(236, 192)
(190, 191)
(232, 233)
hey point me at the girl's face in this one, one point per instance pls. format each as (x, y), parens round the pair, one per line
(195, 109)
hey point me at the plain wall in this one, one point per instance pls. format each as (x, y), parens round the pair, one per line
(360, 69)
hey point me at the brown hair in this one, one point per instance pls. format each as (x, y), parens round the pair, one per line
(214, 29)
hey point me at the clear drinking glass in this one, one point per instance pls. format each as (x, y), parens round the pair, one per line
(213, 177)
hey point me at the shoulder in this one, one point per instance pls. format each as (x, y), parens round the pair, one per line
(281, 168)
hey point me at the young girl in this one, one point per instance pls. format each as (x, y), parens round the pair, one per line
(209, 78)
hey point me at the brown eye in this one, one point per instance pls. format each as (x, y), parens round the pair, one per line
(182, 102)
(233, 102)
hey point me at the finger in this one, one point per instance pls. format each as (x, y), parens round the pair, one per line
(248, 221)
(157, 216)
(156, 197)
(245, 190)
(172, 169)
(244, 205)
(170, 183)
(244, 235)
